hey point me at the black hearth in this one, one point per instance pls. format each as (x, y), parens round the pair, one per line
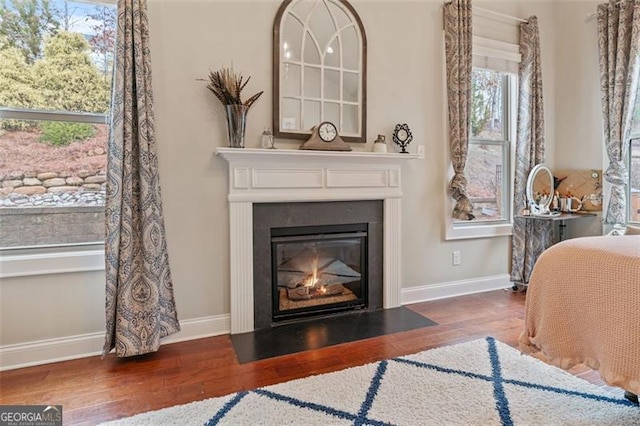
(341, 241)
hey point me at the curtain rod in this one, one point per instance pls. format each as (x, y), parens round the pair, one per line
(502, 15)
(491, 12)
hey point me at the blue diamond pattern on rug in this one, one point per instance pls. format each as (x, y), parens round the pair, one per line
(479, 382)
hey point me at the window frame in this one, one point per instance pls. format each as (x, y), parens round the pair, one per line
(456, 230)
(44, 115)
(506, 145)
(628, 154)
(50, 259)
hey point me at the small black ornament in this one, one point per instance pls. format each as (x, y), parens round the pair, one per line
(402, 137)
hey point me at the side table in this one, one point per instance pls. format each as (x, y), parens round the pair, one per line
(562, 217)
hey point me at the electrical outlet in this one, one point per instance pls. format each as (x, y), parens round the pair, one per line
(455, 258)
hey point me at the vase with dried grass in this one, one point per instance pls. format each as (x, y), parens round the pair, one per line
(227, 86)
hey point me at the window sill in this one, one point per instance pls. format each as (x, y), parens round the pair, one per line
(478, 231)
(63, 260)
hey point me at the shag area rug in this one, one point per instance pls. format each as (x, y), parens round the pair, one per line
(481, 382)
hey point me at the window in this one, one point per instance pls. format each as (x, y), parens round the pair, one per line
(489, 166)
(490, 156)
(488, 159)
(55, 77)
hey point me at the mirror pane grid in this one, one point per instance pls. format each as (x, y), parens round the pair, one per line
(321, 54)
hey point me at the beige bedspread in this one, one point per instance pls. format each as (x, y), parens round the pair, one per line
(583, 306)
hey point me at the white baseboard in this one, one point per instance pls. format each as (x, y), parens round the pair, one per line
(73, 347)
(454, 288)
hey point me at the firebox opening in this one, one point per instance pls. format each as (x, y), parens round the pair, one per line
(318, 270)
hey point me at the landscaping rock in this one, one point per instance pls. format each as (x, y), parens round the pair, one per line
(96, 179)
(62, 189)
(14, 176)
(30, 190)
(75, 181)
(30, 181)
(91, 187)
(53, 182)
(47, 175)
(12, 183)
(84, 173)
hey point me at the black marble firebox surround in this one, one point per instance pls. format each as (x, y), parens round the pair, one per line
(280, 215)
(322, 332)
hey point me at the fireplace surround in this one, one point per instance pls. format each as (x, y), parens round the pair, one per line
(258, 176)
(345, 237)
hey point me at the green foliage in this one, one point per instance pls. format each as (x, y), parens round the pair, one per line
(42, 67)
(24, 23)
(67, 78)
(16, 85)
(61, 133)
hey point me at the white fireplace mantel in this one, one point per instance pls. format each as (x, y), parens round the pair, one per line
(281, 175)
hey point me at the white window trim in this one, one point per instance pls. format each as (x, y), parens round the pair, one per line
(63, 259)
(43, 115)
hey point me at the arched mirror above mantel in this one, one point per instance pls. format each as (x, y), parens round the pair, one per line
(319, 69)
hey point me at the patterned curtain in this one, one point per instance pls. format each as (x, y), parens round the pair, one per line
(457, 44)
(140, 308)
(530, 237)
(618, 25)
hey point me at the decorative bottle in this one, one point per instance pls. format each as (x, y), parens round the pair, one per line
(379, 145)
(267, 141)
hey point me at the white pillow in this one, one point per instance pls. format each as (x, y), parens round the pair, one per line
(632, 230)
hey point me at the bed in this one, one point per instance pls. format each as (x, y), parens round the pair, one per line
(583, 306)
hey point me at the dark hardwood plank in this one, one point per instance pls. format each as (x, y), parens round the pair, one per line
(94, 390)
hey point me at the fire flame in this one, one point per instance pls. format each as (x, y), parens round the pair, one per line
(313, 278)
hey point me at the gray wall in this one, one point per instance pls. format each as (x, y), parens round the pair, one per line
(405, 85)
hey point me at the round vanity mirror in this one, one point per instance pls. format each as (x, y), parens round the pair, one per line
(540, 190)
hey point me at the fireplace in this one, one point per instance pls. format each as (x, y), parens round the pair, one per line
(316, 259)
(318, 270)
(281, 177)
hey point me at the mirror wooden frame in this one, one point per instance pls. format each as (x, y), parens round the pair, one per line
(305, 134)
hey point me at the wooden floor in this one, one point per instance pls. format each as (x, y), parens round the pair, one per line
(93, 390)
